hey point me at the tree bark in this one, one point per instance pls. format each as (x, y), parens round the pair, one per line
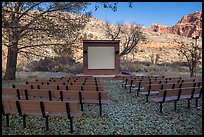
(10, 73)
(192, 71)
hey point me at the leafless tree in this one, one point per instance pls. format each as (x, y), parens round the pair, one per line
(112, 31)
(131, 35)
(133, 52)
(193, 56)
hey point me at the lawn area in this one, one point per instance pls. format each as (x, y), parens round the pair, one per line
(126, 114)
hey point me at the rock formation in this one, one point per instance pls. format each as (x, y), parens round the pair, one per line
(189, 26)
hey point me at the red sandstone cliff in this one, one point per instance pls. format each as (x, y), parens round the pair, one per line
(189, 25)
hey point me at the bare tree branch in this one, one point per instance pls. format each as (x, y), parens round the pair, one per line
(192, 54)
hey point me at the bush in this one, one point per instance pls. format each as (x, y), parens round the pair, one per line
(73, 69)
(65, 64)
(133, 67)
(154, 68)
(45, 64)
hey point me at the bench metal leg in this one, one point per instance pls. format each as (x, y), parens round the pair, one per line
(71, 124)
(175, 105)
(24, 121)
(100, 109)
(188, 103)
(82, 107)
(47, 124)
(146, 98)
(160, 107)
(100, 104)
(196, 102)
(7, 120)
(122, 84)
(137, 93)
(130, 89)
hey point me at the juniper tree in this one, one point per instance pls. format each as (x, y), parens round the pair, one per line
(27, 27)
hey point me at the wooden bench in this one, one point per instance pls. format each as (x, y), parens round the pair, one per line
(174, 95)
(41, 108)
(88, 96)
(152, 89)
(37, 86)
(134, 82)
(96, 97)
(23, 86)
(44, 82)
(38, 94)
(92, 88)
(140, 85)
(63, 82)
(12, 93)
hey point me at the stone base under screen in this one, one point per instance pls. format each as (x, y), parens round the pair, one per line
(100, 57)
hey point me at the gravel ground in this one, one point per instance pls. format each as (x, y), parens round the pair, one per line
(126, 114)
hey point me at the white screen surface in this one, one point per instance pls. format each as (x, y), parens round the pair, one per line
(101, 58)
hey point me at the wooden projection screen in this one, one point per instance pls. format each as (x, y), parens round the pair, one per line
(100, 57)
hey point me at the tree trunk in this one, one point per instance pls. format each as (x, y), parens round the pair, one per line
(192, 71)
(10, 73)
(133, 57)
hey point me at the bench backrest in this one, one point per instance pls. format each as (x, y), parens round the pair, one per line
(180, 91)
(198, 90)
(168, 92)
(65, 95)
(12, 93)
(92, 88)
(9, 106)
(75, 87)
(38, 94)
(188, 84)
(59, 108)
(23, 86)
(29, 107)
(191, 90)
(87, 96)
(152, 87)
(94, 95)
(36, 107)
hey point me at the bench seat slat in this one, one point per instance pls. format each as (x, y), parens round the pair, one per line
(151, 92)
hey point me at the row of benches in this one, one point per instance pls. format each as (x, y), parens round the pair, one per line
(44, 82)
(150, 89)
(56, 95)
(123, 78)
(60, 87)
(65, 81)
(96, 97)
(55, 98)
(174, 95)
(166, 89)
(141, 83)
(133, 82)
(74, 77)
(46, 109)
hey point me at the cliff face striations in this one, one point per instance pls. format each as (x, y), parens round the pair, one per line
(189, 26)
